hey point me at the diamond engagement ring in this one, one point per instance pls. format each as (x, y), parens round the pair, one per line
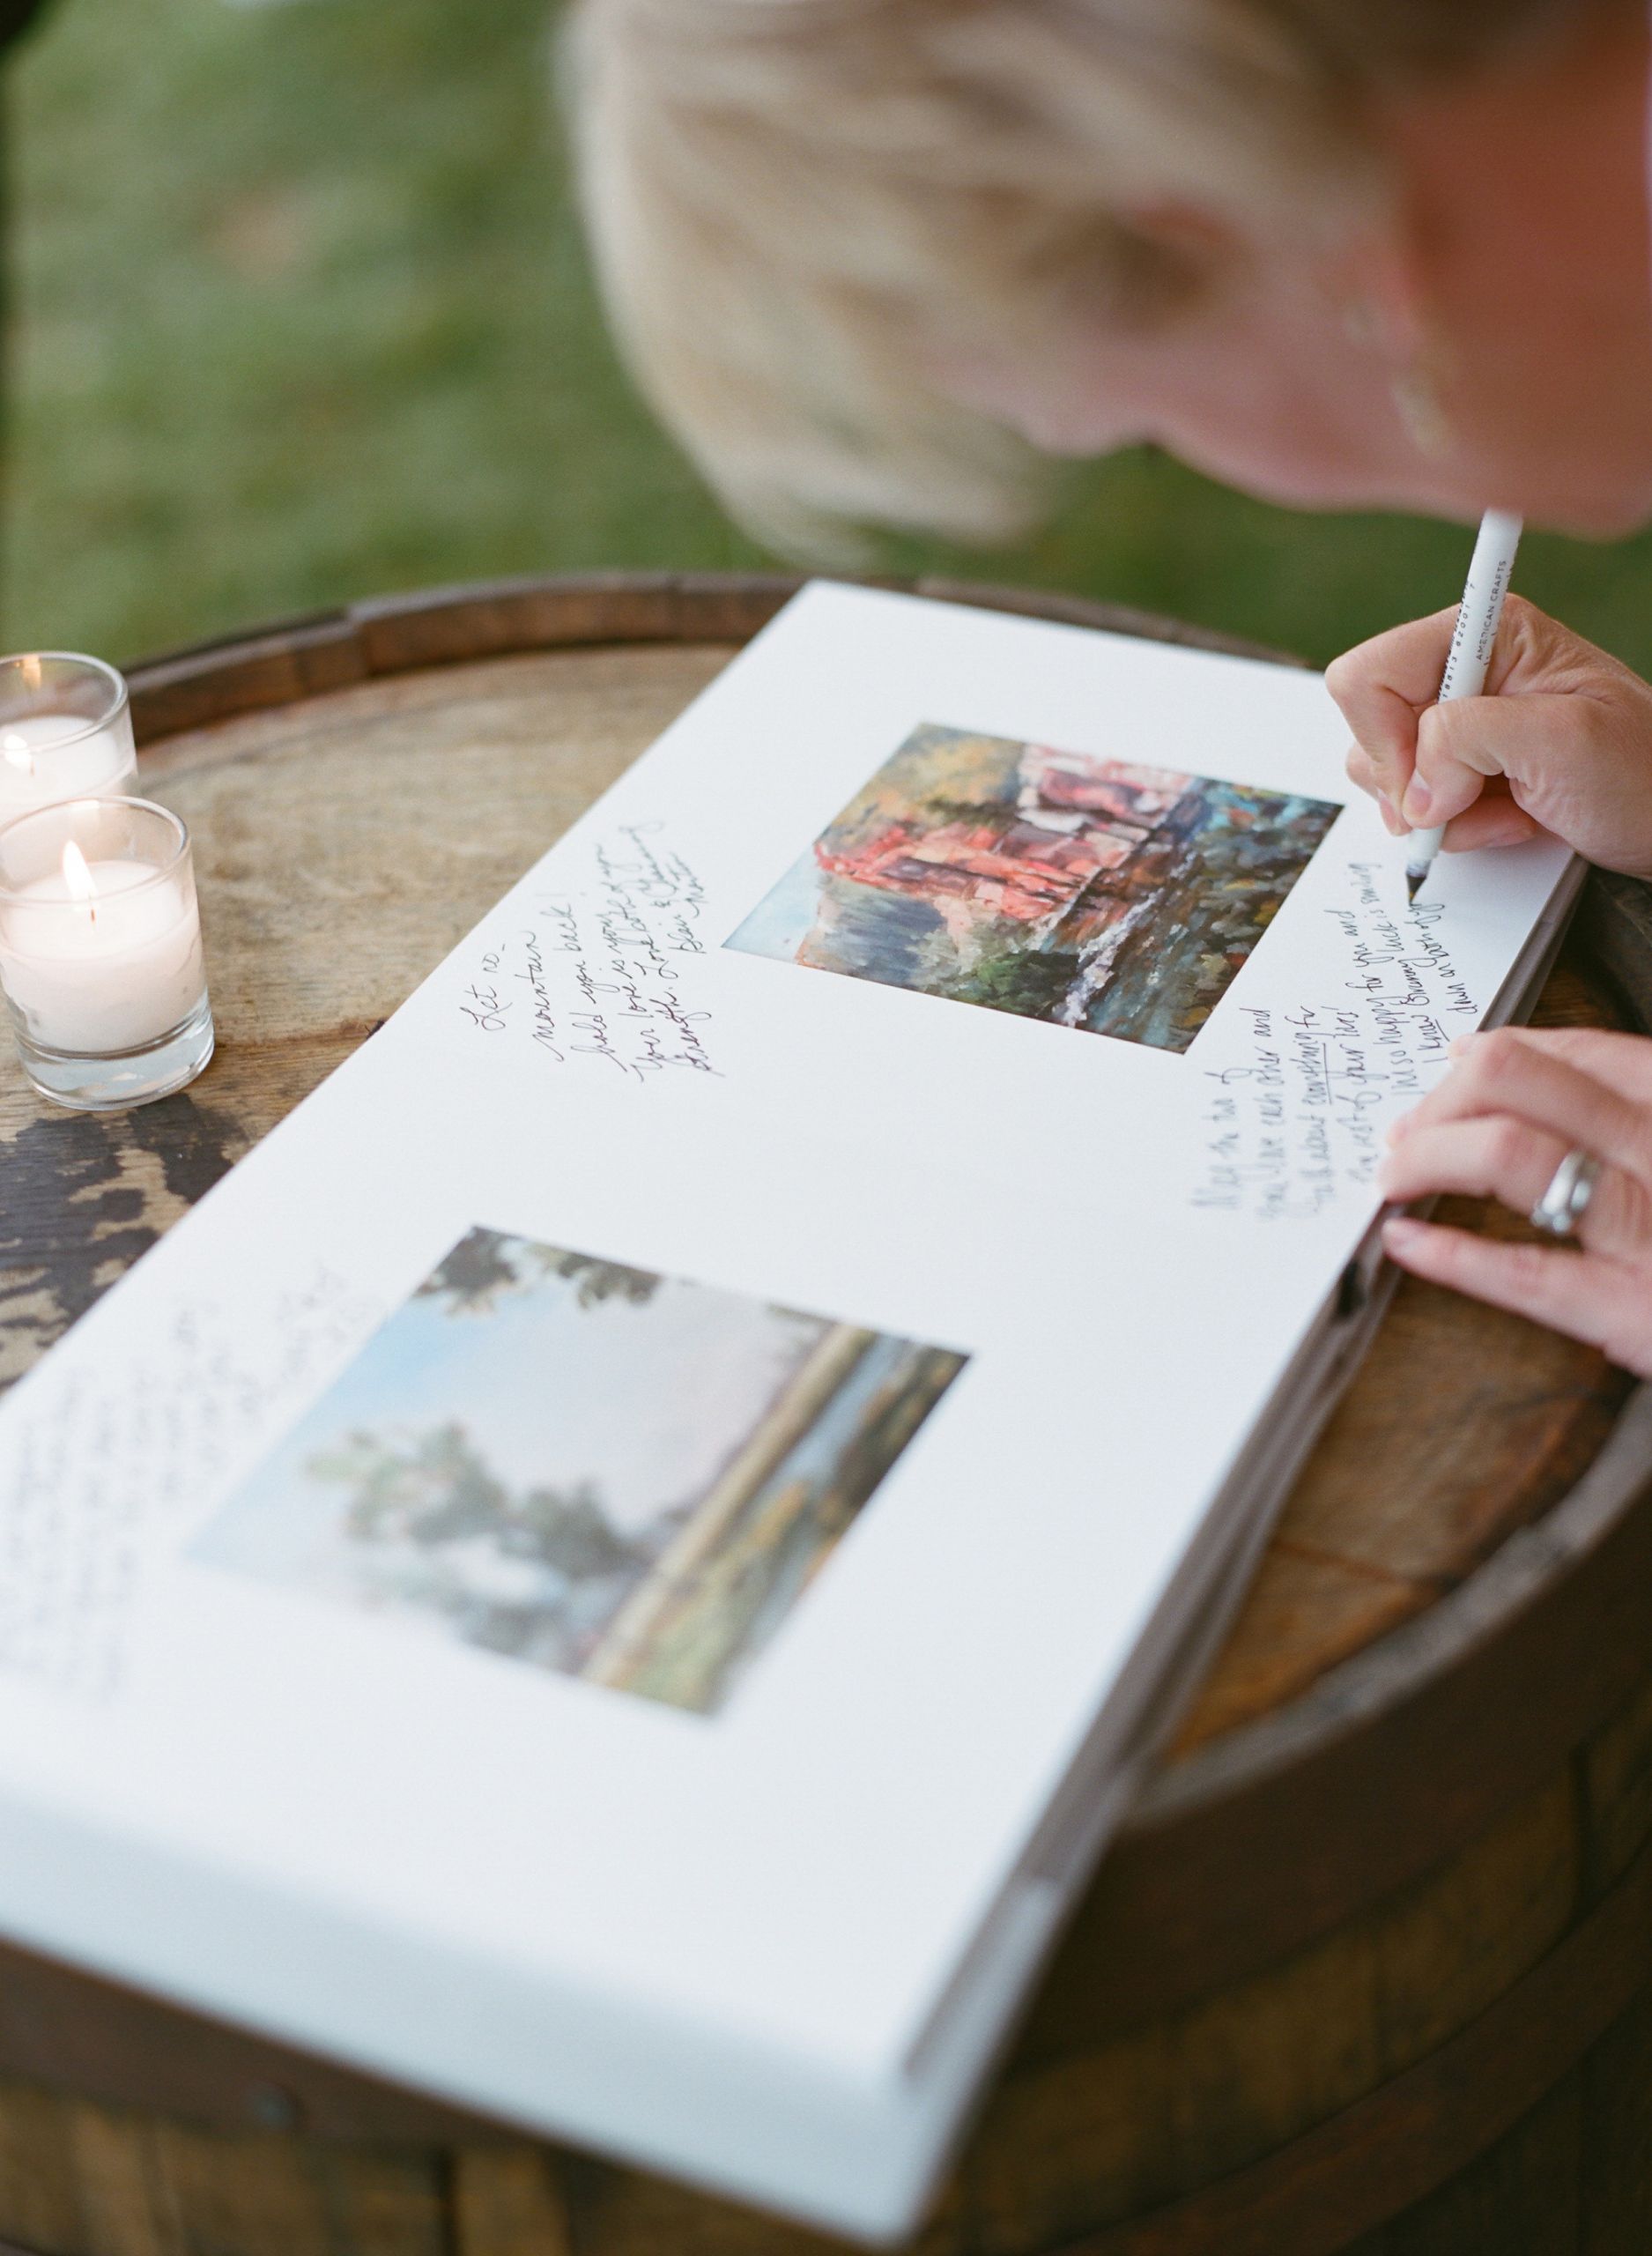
(1565, 1203)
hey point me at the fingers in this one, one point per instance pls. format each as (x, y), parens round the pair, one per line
(1498, 1126)
(1551, 749)
(1603, 1302)
(1508, 1074)
(1493, 821)
(1383, 686)
(1568, 726)
(1508, 1160)
(1361, 773)
(1623, 1061)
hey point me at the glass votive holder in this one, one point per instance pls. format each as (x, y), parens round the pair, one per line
(65, 730)
(101, 960)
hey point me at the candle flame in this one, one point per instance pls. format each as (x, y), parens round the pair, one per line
(31, 670)
(17, 751)
(79, 879)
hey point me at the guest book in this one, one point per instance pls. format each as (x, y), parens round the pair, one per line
(619, 1568)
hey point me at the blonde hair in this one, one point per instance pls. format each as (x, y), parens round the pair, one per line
(802, 209)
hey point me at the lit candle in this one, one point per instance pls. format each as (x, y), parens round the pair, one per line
(100, 956)
(122, 968)
(65, 732)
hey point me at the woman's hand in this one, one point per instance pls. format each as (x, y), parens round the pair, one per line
(1498, 1126)
(1561, 740)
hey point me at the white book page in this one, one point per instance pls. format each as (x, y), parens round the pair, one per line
(692, 1604)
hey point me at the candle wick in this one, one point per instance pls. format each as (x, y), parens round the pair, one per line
(78, 880)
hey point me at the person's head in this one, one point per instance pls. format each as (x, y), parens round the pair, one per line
(875, 259)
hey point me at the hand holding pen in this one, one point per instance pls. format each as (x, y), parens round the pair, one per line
(1561, 740)
(1556, 1125)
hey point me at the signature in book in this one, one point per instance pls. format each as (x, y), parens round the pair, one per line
(1299, 1104)
(597, 974)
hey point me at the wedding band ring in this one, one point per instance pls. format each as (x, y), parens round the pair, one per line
(1565, 1203)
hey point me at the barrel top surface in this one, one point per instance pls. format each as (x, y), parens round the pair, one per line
(346, 841)
(354, 818)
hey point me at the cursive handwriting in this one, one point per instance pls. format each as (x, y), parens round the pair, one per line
(606, 966)
(1296, 1119)
(103, 1467)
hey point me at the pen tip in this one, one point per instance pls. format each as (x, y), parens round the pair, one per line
(1414, 881)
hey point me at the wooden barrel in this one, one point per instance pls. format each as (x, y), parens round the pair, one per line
(1368, 1968)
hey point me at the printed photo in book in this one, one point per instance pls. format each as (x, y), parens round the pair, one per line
(622, 1476)
(1090, 893)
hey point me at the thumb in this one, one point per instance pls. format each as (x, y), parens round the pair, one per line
(1458, 746)
(1534, 660)
(1543, 745)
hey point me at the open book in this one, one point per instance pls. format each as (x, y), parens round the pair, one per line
(620, 1566)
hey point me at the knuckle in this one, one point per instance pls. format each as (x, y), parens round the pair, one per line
(1439, 726)
(1492, 1064)
(1474, 1077)
(1532, 634)
(1510, 1149)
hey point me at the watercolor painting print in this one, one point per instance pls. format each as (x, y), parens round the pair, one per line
(1086, 891)
(621, 1476)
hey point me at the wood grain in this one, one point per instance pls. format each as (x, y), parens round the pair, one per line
(1369, 1918)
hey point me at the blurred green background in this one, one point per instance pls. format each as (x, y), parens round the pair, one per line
(301, 313)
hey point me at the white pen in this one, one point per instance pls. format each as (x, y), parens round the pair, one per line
(1477, 614)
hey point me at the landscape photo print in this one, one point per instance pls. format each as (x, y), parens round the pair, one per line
(1086, 891)
(602, 1471)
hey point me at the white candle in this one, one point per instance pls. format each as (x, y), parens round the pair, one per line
(102, 956)
(46, 757)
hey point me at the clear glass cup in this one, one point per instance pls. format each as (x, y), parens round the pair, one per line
(65, 730)
(101, 960)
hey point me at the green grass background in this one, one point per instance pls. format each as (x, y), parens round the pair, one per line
(301, 313)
